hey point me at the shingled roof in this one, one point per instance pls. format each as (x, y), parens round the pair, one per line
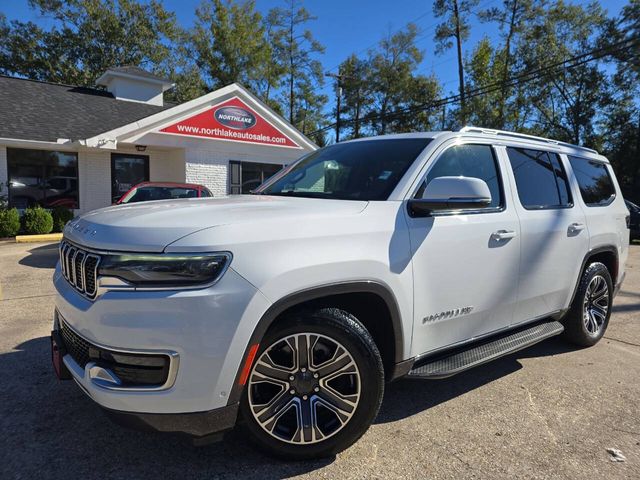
(34, 110)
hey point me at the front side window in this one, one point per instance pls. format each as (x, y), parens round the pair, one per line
(42, 177)
(540, 179)
(596, 186)
(477, 161)
(362, 170)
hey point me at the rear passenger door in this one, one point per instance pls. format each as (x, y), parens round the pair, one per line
(554, 236)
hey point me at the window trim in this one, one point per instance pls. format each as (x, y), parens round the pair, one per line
(66, 152)
(612, 198)
(474, 211)
(568, 206)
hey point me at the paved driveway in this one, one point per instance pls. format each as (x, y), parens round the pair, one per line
(546, 412)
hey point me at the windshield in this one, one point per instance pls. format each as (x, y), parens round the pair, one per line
(364, 170)
(145, 194)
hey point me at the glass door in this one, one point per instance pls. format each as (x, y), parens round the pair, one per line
(247, 176)
(127, 171)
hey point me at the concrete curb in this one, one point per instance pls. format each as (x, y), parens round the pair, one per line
(49, 237)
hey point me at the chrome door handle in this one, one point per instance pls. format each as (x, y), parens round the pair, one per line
(576, 227)
(503, 234)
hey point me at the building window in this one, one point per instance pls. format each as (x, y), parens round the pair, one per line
(126, 172)
(42, 177)
(247, 176)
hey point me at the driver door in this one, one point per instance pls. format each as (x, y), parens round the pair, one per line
(466, 262)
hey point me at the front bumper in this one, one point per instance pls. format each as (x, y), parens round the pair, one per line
(205, 331)
(197, 425)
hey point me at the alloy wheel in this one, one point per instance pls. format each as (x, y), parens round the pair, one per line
(595, 305)
(304, 388)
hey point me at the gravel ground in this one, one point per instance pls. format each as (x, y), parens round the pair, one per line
(550, 411)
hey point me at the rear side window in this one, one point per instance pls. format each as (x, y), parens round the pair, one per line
(476, 161)
(540, 179)
(596, 186)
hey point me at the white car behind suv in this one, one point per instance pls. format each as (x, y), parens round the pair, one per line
(418, 255)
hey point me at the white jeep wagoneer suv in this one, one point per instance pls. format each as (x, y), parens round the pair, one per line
(417, 255)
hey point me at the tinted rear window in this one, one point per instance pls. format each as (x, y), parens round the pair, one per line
(596, 186)
(540, 178)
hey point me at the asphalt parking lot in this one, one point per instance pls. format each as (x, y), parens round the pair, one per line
(546, 412)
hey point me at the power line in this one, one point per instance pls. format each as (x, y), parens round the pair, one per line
(523, 77)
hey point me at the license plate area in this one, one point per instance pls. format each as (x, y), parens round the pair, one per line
(57, 353)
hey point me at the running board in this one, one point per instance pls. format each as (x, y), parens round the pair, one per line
(464, 358)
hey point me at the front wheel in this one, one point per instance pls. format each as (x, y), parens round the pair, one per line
(315, 387)
(587, 320)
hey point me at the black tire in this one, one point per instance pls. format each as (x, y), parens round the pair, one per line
(578, 328)
(336, 326)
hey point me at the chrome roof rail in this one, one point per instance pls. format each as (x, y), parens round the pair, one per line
(491, 131)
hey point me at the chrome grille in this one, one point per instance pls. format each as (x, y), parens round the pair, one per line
(80, 268)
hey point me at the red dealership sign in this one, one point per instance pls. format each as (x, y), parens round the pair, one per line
(231, 120)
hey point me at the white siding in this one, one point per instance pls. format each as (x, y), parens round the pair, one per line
(167, 166)
(94, 176)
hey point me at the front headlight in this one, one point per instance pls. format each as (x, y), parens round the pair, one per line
(165, 269)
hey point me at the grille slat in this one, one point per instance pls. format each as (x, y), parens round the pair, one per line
(80, 268)
(77, 346)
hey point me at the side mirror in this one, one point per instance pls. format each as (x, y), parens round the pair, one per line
(451, 193)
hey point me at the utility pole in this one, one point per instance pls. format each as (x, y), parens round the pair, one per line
(338, 78)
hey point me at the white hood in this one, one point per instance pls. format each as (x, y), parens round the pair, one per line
(151, 226)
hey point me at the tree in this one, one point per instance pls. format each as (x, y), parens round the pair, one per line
(392, 80)
(356, 92)
(296, 50)
(620, 126)
(88, 37)
(512, 18)
(455, 27)
(230, 44)
(483, 67)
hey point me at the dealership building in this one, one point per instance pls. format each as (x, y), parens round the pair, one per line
(82, 148)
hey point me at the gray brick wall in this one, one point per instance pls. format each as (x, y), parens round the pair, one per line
(208, 168)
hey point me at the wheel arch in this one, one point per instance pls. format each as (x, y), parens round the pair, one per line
(606, 254)
(318, 295)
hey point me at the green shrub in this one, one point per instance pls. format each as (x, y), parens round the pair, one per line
(61, 216)
(9, 222)
(37, 220)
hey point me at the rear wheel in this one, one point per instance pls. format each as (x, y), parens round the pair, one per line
(589, 315)
(315, 387)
